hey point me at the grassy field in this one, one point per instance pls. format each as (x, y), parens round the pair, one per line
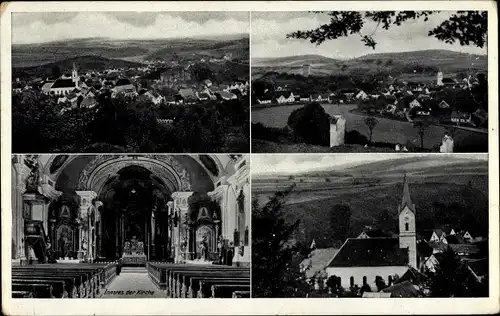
(388, 131)
(379, 188)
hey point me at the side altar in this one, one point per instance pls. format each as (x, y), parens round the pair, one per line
(133, 252)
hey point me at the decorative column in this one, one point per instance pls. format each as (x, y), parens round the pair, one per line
(152, 252)
(84, 224)
(181, 208)
(98, 238)
(239, 210)
(20, 174)
(172, 224)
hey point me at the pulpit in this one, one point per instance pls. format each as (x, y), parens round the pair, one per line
(133, 253)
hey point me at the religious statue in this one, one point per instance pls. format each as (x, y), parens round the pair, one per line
(64, 246)
(126, 248)
(84, 244)
(204, 249)
(140, 248)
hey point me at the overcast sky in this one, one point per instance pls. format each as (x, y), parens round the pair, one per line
(297, 163)
(46, 27)
(269, 31)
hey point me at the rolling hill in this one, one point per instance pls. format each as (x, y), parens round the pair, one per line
(88, 62)
(428, 61)
(370, 188)
(28, 55)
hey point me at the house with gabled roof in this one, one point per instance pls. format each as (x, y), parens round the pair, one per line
(186, 96)
(285, 97)
(443, 105)
(360, 260)
(414, 104)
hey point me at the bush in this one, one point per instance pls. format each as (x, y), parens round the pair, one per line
(311, 124)
(355, 137)
(259, 131)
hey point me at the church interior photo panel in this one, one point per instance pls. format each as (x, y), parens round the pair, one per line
(376, 226)
(116, 226)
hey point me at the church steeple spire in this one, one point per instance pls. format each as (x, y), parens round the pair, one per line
(406, 200)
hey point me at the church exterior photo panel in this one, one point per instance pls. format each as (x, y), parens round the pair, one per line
(400, 225)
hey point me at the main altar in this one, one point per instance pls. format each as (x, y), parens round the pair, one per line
(133, 252)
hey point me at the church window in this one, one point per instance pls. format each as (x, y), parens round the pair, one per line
(364, 280)
(351, 281)
(407, 226)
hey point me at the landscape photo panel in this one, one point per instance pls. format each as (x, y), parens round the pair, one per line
(130, 82)
(370, 226)
(369, 81)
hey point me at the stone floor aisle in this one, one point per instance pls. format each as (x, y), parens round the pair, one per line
(132, 283)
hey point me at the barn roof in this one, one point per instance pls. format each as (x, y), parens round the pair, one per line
(370, 252)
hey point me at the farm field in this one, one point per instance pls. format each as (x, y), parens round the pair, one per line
(313, 197)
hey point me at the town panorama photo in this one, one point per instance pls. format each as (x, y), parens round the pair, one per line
(369, 81)
(173, 82)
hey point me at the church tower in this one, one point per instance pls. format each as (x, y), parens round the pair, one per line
(74, 75)
(439, 78)
(407, 225)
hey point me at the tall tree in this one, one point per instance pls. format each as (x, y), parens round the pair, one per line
(371, 122)
(465, 27)
(311, 124)
(340, 219)
(275, 256)
(453, 279)
(421, 126)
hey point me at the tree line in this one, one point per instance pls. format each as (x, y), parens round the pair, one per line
(124, 125)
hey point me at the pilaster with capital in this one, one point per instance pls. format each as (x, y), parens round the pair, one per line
(181, 235)
(84, 223)
(19, 177)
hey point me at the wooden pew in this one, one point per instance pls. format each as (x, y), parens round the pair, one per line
(201, 286)
(226, 290)
(205, 287)
(186, 286)
(241, 294)
(89, 277)
(175, 276)
(38, 290)
(58, 285)
(22, 294)
(72, 283)
(82, 282)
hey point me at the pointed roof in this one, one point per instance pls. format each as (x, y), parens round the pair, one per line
(406, 200)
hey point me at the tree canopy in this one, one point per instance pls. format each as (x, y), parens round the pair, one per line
(464, 27)
(311, 124)
(39, 124)
(276, 257)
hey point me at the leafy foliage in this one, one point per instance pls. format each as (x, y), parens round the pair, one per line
(275, 256)
(311, 124)
(453, 279)
(466, 27)
(371, 122)
(125, 125)
(340, 219)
